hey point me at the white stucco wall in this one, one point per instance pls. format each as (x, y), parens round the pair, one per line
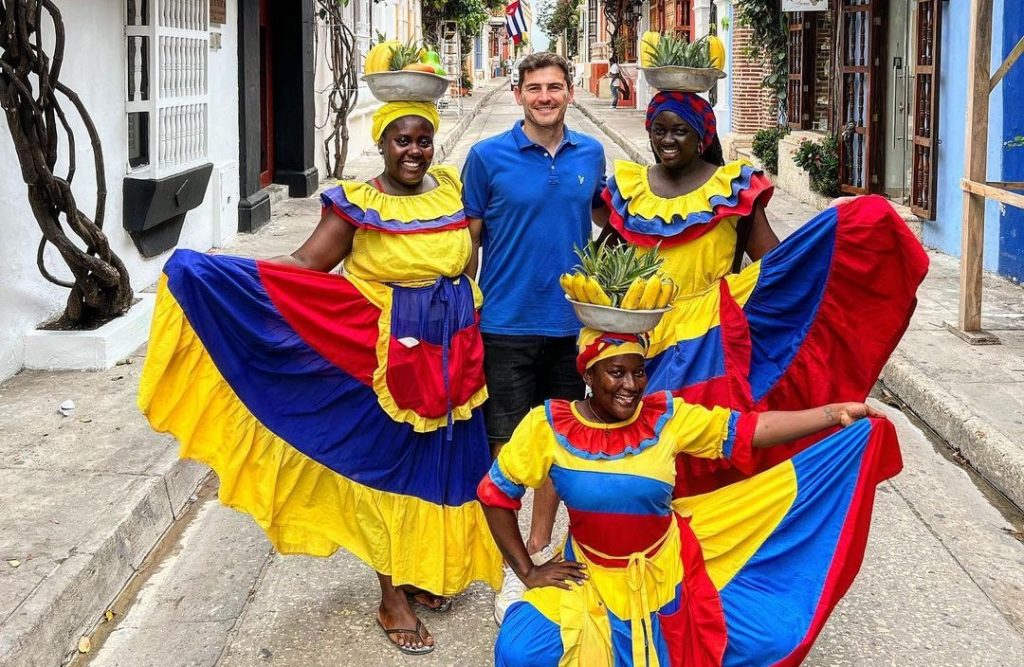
(94, 67)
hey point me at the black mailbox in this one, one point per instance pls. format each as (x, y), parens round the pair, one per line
(154, 209)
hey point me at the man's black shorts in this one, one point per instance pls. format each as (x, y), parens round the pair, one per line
(525, 371)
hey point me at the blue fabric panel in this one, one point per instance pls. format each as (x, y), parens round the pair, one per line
(428, 313)
(504, 484)
(310, 403)
(770, 602)
(527, 639)
(612, 492)
(730, 439)
(687, 363)
(783, 305)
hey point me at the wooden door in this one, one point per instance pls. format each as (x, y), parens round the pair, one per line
(800, 87)
(861, 86)
(266, 96)
(928, 28)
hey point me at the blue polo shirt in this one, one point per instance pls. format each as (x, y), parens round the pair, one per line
(536, 207)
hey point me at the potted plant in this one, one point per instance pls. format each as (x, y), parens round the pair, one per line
(465, 83)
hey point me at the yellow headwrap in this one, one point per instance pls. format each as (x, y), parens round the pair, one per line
(594, 345)
(392, 111)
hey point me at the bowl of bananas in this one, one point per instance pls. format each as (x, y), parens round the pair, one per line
(671, 63)
(396, 72)
(619, 288)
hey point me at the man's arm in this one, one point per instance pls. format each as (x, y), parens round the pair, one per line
(600, 216)
(476, 226)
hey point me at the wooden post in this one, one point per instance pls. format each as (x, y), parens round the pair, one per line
(979, 62)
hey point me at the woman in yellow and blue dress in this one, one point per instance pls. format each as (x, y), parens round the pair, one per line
(848, 277)
(745, 575)
(343, 411)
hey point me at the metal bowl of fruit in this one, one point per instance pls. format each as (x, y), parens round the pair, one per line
(684, 79)
(617, 320)
(406, 86)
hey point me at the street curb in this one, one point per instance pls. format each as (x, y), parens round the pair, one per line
(625, 144)
(69, 603)
(462, 124)
(989, 452)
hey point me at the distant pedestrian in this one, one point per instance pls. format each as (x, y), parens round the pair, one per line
(531, 194)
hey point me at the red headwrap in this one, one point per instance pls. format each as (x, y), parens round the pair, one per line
(594, 345)
(692, 108)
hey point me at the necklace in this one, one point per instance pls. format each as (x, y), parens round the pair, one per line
(590, 407)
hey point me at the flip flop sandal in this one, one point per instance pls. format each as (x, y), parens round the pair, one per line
(410, 650)
(446, 603)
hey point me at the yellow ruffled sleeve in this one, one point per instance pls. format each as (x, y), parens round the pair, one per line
(524, 461)
(698, 431)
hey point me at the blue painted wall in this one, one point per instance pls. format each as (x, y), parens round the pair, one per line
(1011, 224)
(944, 232)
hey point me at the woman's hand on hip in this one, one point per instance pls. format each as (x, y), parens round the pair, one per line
(555, 573)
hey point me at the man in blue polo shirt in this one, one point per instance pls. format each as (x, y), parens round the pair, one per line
(531, 194)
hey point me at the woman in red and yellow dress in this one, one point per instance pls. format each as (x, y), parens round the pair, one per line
(811, 321)
(343, 411)
(747, 574)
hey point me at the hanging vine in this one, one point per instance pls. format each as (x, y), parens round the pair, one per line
(32, 95)
(342, 60)
(769, 42)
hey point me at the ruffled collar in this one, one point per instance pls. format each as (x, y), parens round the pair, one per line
(593, 440)
(643, 217)
(367, 207)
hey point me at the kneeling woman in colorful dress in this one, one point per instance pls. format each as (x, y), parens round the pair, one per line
(747, 574)
(343, 411)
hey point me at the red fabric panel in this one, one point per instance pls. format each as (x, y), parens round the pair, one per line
(491, 496)
(696, 634)
(416, 380)
(842, 354)
(616, 534)
(882, 460)
(328, 313)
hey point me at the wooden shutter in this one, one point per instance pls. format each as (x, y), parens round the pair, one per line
(926, 108)
(862, 92)
(800, 88)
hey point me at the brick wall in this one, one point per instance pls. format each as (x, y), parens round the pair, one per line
(753, 107)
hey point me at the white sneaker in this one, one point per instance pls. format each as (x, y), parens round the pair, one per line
(512, 589)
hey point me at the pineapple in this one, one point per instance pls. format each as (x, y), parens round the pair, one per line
(676, 51)
(613, 270)
(403, 55)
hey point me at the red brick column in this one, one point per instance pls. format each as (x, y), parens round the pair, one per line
(753, 107)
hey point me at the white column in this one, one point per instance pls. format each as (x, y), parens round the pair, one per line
(644, 92)
(723, 109)
(701, 17)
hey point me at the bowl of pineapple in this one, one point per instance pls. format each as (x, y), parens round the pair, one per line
(671, 63)
(618, 289)
(396, 72)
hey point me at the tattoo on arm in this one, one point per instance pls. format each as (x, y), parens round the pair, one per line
(829, 415)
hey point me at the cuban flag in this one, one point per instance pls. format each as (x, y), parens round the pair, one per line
(515, 21)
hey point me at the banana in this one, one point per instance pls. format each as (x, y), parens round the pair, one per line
(595, 294)
(666, 293)
(716, 51)
(565, 280)
(631, 301)
(379, 57)
(579, 287)
(652, 288)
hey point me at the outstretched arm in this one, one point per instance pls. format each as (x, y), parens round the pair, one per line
(776, 427)
(476, 226)
(329, 243)
(762, 236)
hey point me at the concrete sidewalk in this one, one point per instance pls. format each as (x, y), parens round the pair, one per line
(971, 396)
(85, 497)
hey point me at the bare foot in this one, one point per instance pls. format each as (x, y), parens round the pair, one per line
(427, 599)
(395, 612)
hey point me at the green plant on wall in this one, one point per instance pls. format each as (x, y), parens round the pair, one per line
(820, 160)
(765, 147)
(769, 42)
